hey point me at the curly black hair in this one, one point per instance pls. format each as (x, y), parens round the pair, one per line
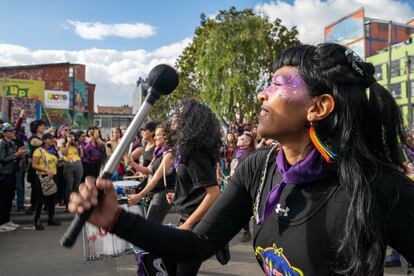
(166, 128)
(35, 124)
(197, 128)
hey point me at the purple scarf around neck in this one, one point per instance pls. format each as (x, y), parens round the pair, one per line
(307, 170)
(160, 151)
(240, 152)
(51, 150)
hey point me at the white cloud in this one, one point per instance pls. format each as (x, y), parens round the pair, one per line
(99, 31)
(114, 72)
(311, 16)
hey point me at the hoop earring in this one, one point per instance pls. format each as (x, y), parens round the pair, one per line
(327, 154)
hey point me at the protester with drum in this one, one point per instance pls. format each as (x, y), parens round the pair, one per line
(163, 176)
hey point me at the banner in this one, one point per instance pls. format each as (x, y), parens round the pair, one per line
(25, 89)
(57, 99)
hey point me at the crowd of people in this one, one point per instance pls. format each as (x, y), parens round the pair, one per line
(63, 158)
(54, 158)
(54, 161)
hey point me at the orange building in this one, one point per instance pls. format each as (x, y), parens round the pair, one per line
(365, 35)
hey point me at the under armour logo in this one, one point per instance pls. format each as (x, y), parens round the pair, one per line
(284, 211)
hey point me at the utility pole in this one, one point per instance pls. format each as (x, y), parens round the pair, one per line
(408, 89)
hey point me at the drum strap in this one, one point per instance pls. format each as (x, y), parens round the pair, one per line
(163, 167)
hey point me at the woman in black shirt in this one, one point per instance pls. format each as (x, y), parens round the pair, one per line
(328, 201)
(163, 176)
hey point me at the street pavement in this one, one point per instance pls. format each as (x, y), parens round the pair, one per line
(29, 252)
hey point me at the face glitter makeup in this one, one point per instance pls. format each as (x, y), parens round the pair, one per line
(287, 86)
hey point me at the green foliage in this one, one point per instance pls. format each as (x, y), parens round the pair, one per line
(228, 62)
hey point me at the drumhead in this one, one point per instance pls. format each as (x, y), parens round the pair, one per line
(126, 184)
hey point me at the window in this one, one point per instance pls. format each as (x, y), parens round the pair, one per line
(106, 123)
(396, 90)
(378, 72)
(124, 122)
(382, 27)
(115, 122)
(395, 68)
(411, 64)
(97, 122)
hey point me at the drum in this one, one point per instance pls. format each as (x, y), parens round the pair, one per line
(98, 245)
(127, 187)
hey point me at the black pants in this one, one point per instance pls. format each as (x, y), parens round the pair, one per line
(42, 199)
(90, 169)
(61, 186)
(7, 188)
(183, 269)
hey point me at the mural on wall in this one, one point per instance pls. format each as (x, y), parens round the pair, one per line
(79, 121)
(80, 97)
(59, 117)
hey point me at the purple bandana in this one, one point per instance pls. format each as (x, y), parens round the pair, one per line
(136, 146)
(177, 161)
(240, 152)
(51, 150)
(159, 151)
(305, 171)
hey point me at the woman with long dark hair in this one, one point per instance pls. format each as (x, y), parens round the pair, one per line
(93, 153)
(327, 201)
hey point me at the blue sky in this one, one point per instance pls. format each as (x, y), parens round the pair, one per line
(120, 41)
(41, 24)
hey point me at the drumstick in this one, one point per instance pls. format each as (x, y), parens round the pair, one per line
(132, 177)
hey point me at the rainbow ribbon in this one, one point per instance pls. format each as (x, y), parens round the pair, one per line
(328, 155)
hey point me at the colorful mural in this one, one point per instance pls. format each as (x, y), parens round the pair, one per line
(80, 97)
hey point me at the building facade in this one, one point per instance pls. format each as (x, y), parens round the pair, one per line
(58, 92)
(401, 74)
(365, 35)
(109, 117)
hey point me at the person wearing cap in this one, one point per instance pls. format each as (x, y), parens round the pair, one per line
(44, 161)
(9, 153)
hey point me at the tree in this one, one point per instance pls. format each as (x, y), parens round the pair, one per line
(229, 60)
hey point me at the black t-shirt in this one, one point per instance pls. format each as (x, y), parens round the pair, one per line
(147, 156)
(169, 175)
(193, 176)
(302, 234)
